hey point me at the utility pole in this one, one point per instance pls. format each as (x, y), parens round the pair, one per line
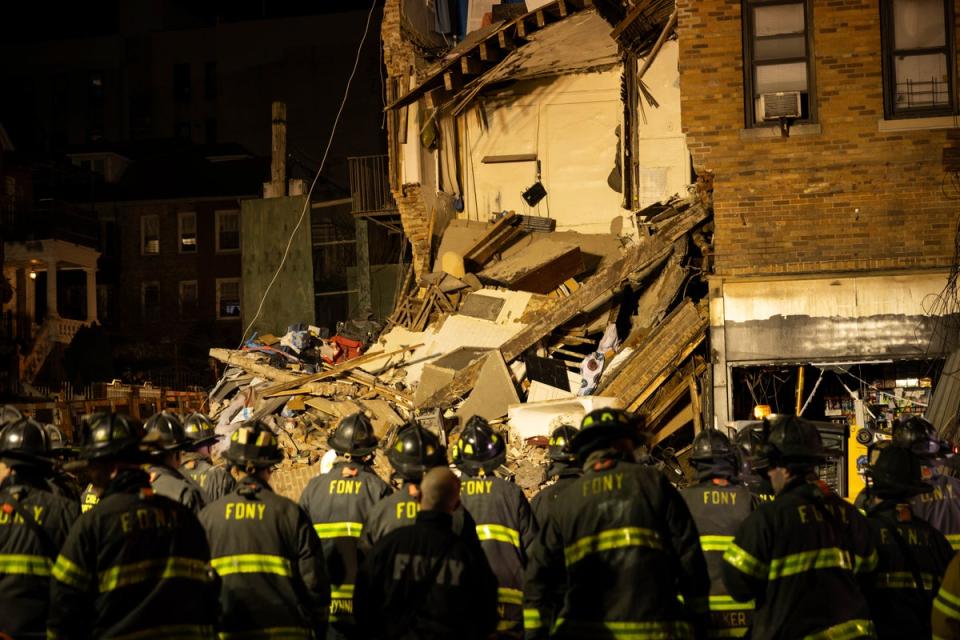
(277, 187)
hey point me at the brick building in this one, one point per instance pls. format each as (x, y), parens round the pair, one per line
(835, 225)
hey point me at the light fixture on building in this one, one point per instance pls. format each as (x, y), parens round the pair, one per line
(33, 275)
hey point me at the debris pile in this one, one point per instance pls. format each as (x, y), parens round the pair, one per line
(524, 325)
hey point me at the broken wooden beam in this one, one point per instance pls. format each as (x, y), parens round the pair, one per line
(239, 359)
(470, 66)
(504, 231)
(541, 268)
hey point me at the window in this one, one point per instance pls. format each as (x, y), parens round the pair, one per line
(181, 82)
(210, 80)
(917, 58)
(777, 58)
(228, 231)
(149, 235)
(228, 298)
(150, 300)
(189, 296)
(187, 231)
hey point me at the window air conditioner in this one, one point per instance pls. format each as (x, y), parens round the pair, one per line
(783, 104)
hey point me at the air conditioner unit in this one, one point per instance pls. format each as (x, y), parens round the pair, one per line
(783, 104)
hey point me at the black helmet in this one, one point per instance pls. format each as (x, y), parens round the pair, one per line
(919, 435)
(414, 450)
(479, 448)
(792, 439)
(57, 440)
(166, 432)
(110, 435)
(896, 473)
(253, 446)
(750, 448)
(354, 436)
(602, 426)
(710, 445)
(558, 447)
(24, 441)
(200, 430)
(8, 415)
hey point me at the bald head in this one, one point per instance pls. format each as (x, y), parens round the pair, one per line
(440, 490)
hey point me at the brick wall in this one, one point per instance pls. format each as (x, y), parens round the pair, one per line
(789, 205)
(290, 480)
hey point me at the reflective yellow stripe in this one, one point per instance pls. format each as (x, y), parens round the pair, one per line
(69, 573)
(845, 631)
(531, 619)
(715, 543)
(611, 539)
(339, 529)
(156, 569)
(901, 580)
(954, 540)
(727, 603)
(510, 596)
(273, 633)
(171, 632)
(948, 604)
(252, 563)
(341, 591)
(866, 564)
(828, 558)
(25, 565)
(742, 561)
(659, 630)
(499, 533)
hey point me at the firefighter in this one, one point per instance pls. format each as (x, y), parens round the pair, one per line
(505, 525)
(619, 526)
(945, 618)
(912, 555)
(941, 506)
(166, 434)
(719, 504)
(563, 467)
(425, 581)
(273, 581)
(411, 452)
(802, 556)
(338, 503)
(753, 466)
(137, 566)
(197, 463)
(34, 522)
(61, 482)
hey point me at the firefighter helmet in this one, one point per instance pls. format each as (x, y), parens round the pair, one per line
(57, 441)
(712, 444)
(24, 441)
(750, 448)
(792, 439)
(110, 435)
(896, 473)
(253, 446)
(919, 435)
(558, 446)
(165, 432)
(600, 427)
(8, 415)
(354, 436)
(479, 448)
(200, 429)
(414, 450)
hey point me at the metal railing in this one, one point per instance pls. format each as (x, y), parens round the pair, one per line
(370, 186)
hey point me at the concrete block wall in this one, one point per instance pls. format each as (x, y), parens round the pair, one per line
(848, 198)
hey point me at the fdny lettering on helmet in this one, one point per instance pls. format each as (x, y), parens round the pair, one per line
(602, 484)
(407, 510)
(913, 537)
(16, 518)
(145, 519)
(416, 567)
(810, 513)
(244, 511)
(719, 497)
(938, 493)
(478, 487)
(350, 487)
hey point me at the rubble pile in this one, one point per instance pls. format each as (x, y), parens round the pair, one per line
(524, 325)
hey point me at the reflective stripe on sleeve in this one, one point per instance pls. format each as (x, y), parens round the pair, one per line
(339, 529)
(273, 633)
(742, 561)
(157, 569)
(954, 540)
(341, 591)
(715, 543)
(735, 632)
(499, 533)
(25, 565)
(509, 596)
(531, 620)
(252, 563)
(727, 603)
(657, 630)
(865, 564)
(828, 558)
(65, 571)
(845, 631)
(902, 580)
(948, 604)
(171, 632)
(622, 538)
